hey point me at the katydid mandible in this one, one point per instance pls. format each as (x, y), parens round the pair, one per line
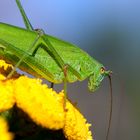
(48, 57)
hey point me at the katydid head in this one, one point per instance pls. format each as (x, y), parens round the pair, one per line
(94, 82)
(96, 78)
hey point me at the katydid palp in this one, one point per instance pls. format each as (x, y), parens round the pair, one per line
(48, 57)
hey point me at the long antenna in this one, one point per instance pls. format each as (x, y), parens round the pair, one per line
(111, 104)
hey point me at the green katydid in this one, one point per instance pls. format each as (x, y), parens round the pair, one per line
(48, 57)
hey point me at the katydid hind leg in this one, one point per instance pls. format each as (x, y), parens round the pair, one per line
(54, 52)
(24, 16)
(29, 27)
(58, 58)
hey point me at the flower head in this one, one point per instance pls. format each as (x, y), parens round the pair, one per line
(6, 89)
(41, 103)
(7, 99)
(44, 106)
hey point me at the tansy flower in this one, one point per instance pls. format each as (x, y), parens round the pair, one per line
(4, 134)
(46, 108)
(4, 69)
(6, 89)
(76, 127)
(41, 103)
(4, 65)
(6, 95)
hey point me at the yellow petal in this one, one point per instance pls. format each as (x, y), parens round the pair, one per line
(4, 134)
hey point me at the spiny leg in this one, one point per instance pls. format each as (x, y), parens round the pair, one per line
(28, 26)
(27, 23)
(58, 59)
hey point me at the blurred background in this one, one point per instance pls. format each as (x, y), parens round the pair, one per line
(110, 32)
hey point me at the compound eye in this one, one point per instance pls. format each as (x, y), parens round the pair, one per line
(102, 70)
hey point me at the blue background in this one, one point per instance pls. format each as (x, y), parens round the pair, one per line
(110, 32)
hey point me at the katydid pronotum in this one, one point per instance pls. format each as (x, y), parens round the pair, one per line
(48, 57)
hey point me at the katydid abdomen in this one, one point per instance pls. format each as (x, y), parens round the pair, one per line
(43, 62)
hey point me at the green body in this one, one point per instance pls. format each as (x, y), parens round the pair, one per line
(21, 39)
(48, 57)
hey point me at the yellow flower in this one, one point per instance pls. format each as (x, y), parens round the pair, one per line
(4, 69)
(6, 95)
(4, 134)
(4, 65)
(76, 127)
(6, 90)
(40, 102)
(44, 106)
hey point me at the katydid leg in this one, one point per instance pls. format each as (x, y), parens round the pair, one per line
(25, 18)
(65, 85)
(23, 56)
(56, 56)
(52, 49)
(52, 85)
(28, 26)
